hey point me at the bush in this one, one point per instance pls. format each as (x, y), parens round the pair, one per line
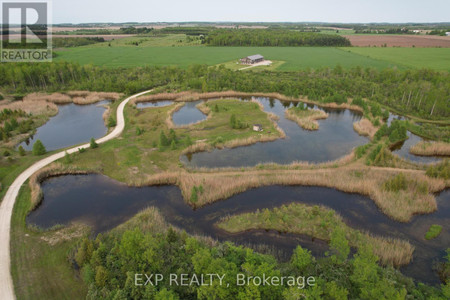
(38, 148)
(112, 122)
(21, 151)
(433, 232)
(1, 97)
(6, 153)
(93, 144)
(81, 150)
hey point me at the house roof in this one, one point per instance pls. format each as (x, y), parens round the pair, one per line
(255, 57)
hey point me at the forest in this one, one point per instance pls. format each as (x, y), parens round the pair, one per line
(273, 38)
(109, 264)
(423, 93)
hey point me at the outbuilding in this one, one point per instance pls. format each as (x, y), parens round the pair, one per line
(252, 59)
(257, 127)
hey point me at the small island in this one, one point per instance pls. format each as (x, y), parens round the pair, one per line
(306, 118)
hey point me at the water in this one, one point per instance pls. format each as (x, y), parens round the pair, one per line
(188, 114)
(154, 104)
(334, 139)
(74, 124)
(103, 204)
(402, 149)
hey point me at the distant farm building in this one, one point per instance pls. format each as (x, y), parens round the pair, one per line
(257, 127)
(253, 59)
(447, 33)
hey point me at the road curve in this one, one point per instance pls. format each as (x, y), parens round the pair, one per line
(7, 205)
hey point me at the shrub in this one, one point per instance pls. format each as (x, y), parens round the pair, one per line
(38, 148)
(93, 144)
(21, 151)
(6, 153)
(112, 122)
(194, 195)
(433, 232)
(81, 150)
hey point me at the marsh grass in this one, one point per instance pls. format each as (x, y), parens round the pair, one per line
(431, 149)
(318, 222)
(365, 128)
(77, 97)
(306, 118)
(400, 205)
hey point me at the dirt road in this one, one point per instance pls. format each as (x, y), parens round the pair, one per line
(7, 205)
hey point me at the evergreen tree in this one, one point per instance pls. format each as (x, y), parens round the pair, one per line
(93, 144)
(21, 151)
(38, 148)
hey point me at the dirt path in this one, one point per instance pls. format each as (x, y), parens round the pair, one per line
(7, 205)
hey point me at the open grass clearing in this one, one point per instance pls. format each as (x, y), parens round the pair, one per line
(36, 257)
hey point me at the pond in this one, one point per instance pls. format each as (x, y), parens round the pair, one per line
(74, 124)
(103, 204)
(402, 149)
(188, 114)
(334, 139)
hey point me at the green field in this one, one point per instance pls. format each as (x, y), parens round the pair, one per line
(295, 57)
(433, 58)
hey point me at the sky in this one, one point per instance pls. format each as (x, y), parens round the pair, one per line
(343, 11)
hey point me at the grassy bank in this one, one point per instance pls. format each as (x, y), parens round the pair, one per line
(306, 118)
(40, 260)
(318, 222)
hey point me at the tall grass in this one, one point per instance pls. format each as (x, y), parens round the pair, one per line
(399, 205)
(306, 119)
(431, 149)
(365, 128)
(77, 97)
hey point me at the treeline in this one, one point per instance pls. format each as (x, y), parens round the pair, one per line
(273, 38)
(422, 93)
(110, 263)
(76, 41)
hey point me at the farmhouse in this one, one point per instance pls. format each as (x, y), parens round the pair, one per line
(253, 59)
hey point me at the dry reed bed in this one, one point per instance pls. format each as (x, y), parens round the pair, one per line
(431, 149)
(35, 107)
(77, 97)
(401, 205)
(194, 96)
(365, 128)
(308, 122)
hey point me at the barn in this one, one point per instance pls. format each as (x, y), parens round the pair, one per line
(252, 59)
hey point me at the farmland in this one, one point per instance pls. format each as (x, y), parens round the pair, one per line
(181, 50)
(295, 57)
(433, 58)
